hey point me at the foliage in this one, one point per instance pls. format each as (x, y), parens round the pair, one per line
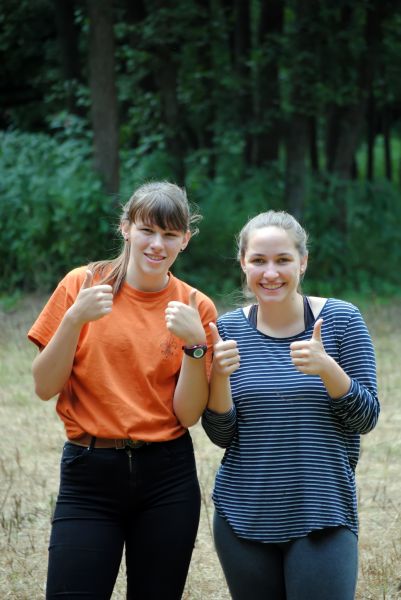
(54, 215)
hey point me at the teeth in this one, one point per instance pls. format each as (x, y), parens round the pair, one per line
(155, 257)
(271, 287)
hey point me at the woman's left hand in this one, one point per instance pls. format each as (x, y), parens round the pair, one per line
(183, 320)
(309, 356)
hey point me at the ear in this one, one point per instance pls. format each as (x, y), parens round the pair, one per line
(242, 262)
(125, 228)
(304, 264)
(185, 240)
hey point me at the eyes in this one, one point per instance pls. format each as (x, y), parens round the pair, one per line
(281, 260)
(168, 234)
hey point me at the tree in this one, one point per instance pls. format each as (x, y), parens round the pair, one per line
(103, 93)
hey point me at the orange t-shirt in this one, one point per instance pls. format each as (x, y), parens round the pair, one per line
(126, 364)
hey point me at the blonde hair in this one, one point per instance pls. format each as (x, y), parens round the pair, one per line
(158, 203)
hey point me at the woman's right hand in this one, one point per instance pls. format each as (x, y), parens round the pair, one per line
(92, 302)
(226, 358)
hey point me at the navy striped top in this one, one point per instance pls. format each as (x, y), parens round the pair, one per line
(291, 450)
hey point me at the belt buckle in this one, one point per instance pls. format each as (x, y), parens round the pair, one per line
(134, 443)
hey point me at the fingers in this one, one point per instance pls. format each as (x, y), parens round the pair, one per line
(88, 280)
(192, 299)
(317, 330)
(215, 333)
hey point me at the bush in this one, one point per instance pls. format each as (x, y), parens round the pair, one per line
(54, 215)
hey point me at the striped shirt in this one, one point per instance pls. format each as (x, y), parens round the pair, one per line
(291, 450)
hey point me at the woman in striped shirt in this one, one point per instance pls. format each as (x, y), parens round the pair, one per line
(293, 386)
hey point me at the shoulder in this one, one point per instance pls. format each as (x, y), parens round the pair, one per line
(232, 319)
(344, 317)
(340, 308)
(182, 290)
(72, 281)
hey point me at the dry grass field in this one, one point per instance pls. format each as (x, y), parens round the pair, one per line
(31, 439)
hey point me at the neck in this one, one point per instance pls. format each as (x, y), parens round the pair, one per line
(147, 283)
(282, 319)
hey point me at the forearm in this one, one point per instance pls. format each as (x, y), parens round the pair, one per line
(52, 367)
(335, 380)
(191, 393)
(220, 400)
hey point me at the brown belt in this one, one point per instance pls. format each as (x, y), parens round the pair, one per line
(119, 444)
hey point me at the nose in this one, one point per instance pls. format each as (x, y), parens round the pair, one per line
(156, 241)
(270, 271)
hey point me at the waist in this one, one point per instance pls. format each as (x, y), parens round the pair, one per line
(91, 441)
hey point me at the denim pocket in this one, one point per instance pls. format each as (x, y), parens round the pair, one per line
(73, 453)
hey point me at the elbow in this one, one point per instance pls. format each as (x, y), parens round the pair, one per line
(188, 421)
(43, 393)
(42, 390)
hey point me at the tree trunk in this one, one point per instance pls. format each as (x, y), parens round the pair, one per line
(68, 37)
(371, 136)
(295, 170)
(313, 146)
(103, 92)
(266, 140)
(175, 143)
(388, 164)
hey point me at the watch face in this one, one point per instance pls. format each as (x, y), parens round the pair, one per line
(198, 352)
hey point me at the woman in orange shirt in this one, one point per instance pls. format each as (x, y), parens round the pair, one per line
(125, 346)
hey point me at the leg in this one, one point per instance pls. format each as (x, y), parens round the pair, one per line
(87, 538)
(322, 566)
(164, 527)
(252, 569)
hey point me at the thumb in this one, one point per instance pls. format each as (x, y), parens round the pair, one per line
(88, 280)
(215, 333)
(192, 299)
(317, 331)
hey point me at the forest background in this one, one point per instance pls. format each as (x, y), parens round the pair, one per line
(292, 104)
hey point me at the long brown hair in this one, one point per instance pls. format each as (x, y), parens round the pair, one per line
(159, 203)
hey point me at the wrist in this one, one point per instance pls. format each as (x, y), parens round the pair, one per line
(195, 340)
(72, 318)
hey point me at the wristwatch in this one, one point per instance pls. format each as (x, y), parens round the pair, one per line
(197, 351)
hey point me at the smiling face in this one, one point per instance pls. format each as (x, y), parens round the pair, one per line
(153, 250)
(272, 264)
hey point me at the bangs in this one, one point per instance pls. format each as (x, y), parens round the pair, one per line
(161, 210)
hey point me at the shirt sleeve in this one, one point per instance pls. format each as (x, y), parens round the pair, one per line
(220, 427)
(359, 408)
(53, 312)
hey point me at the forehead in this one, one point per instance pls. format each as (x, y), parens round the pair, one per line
(141, 222)
(267, 240)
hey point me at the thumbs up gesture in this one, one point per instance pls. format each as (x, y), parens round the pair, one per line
(183, 320)
(93, 301)
(226, 358)
(309, 356)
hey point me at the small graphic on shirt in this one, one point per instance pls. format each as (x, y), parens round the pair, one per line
(169, 347)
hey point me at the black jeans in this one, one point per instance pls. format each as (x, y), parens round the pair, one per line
(150, 503)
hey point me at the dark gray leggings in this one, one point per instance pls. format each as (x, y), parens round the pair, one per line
(320, 566)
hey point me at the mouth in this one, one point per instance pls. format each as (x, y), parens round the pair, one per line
(271, 287)
(156, 258)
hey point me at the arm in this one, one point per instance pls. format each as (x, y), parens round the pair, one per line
(52, 367)
(350, 383)
(359, 408)
(192, 387)
(219, 420)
